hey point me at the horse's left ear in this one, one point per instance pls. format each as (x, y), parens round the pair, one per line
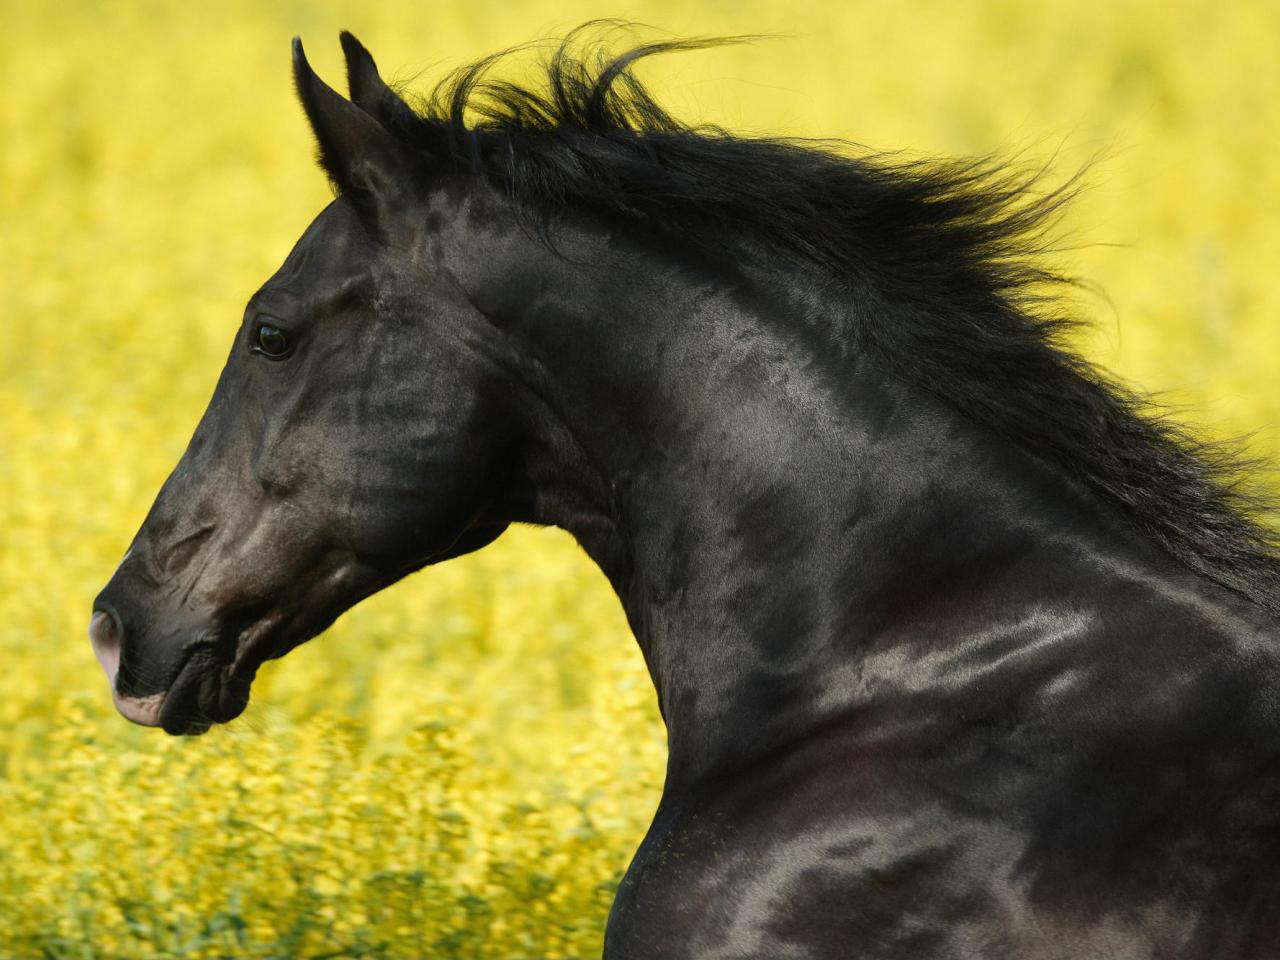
(366, 163)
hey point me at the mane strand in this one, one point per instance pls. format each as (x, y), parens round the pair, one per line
(950, 251)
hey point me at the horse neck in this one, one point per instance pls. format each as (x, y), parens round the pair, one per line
(797, 537)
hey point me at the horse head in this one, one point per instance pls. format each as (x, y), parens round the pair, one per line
(307, 484)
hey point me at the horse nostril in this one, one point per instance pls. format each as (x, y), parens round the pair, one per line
(104, 636)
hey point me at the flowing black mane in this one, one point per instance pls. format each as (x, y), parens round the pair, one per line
(940, 264)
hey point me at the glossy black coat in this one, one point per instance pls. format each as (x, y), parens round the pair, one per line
(927, 693)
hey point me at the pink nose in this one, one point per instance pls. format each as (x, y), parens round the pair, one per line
(104, 635)
(106, 644)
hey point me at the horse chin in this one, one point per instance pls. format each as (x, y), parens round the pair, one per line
(206, 691)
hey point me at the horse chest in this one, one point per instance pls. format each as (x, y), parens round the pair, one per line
(777, 881)
(897, 875)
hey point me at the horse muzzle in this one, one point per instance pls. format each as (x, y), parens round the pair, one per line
(201, 688)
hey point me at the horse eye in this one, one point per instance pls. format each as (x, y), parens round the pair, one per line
(271, 341)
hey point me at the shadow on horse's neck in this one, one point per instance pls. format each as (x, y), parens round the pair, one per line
(804, 546)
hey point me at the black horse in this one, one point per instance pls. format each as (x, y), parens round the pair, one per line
(962, 651)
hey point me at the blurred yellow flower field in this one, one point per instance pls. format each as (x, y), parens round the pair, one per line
(463, 765)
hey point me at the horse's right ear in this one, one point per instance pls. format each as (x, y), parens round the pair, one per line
(365, 162)
(369, 91)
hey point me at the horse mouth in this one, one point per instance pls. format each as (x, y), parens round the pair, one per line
(206, 691)
(212, 681)
(210, 685)
(203, 692)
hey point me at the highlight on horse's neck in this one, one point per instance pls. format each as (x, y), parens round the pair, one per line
(856, 487)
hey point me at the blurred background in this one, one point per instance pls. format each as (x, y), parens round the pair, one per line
(464, 764)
